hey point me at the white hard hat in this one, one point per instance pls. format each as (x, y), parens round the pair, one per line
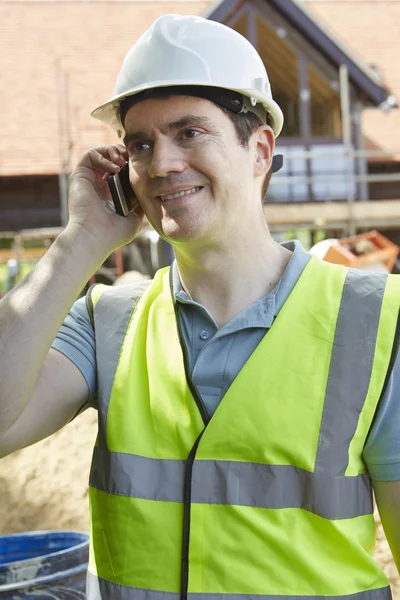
(321, 248)
(192, 51)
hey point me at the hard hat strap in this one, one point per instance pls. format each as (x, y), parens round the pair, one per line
(232, 100)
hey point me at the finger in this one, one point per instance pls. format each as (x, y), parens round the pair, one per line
(123, 150)
(101, 163)
(118, 155)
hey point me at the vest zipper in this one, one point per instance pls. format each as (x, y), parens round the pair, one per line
(187, 500)
(187, 492)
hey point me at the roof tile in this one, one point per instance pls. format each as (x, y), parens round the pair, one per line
(60, 60)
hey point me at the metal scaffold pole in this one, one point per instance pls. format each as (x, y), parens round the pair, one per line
(348, 145)
(64, 139)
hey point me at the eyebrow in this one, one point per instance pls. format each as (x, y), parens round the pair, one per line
(186, 121)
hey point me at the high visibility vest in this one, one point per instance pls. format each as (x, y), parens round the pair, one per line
(270, 497)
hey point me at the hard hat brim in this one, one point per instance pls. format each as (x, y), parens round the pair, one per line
(108, 112)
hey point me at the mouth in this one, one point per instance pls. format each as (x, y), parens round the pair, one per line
(180, 194)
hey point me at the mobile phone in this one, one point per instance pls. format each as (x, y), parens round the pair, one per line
(121, 192)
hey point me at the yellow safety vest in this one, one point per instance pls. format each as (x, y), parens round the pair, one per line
(268, 498)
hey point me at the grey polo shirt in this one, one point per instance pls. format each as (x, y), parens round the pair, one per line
(217, 355)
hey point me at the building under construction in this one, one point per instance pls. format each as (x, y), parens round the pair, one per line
(333, 71)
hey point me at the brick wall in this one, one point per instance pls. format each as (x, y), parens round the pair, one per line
(42, 42)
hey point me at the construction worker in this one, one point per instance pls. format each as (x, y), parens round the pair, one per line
(248, 394)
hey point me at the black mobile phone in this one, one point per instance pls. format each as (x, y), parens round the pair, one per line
(122, 193)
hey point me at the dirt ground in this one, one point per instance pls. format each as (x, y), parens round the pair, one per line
(45, 487)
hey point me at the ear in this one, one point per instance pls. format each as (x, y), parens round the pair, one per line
(264, 150)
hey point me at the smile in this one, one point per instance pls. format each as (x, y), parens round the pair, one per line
(179, 194)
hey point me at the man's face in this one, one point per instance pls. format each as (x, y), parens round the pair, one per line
(193, 180)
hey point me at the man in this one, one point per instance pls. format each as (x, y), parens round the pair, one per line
(247, 394)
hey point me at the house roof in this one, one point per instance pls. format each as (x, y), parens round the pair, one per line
(53, 76)
(306, 22)
(371, 30)
(324, 39)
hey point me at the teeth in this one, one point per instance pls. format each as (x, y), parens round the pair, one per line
(179, 194)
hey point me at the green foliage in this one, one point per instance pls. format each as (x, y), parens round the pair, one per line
(25, 268)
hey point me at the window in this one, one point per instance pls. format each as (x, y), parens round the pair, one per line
(281, 60)
(281, 63)
(324, 106)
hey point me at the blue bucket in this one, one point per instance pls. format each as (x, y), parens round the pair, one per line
(44, 565)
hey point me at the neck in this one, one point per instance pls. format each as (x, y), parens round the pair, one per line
(227, 280)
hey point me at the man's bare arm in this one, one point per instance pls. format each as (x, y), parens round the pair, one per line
(32, 313)
(50, 407)
(387, 494)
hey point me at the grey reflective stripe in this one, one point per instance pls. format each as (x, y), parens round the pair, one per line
(350, 368)
(280, 486)
(110, 330)
(131, 475)
(232, 483)
(100, 589)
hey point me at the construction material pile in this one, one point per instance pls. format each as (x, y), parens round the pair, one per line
(369, 250)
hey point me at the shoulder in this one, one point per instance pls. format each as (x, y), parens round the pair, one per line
(127, 290)
(362, 282)
(115, 297)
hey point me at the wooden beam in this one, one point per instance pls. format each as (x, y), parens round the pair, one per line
(332, 215)
(32, 234)
(24, 254)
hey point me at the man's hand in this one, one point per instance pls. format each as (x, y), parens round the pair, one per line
(32, 313)
(90, 204)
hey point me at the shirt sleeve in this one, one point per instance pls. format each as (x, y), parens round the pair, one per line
(382, 448)
(76, 340)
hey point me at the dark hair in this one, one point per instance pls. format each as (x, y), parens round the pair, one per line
(245, 123)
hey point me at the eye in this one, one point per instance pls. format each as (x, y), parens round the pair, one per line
(138, 148)
(189, 134)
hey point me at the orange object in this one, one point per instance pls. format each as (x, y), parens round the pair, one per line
(375, 248)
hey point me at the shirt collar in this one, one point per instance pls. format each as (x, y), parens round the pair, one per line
(262, 312)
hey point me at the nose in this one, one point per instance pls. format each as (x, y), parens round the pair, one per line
(166, 158)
